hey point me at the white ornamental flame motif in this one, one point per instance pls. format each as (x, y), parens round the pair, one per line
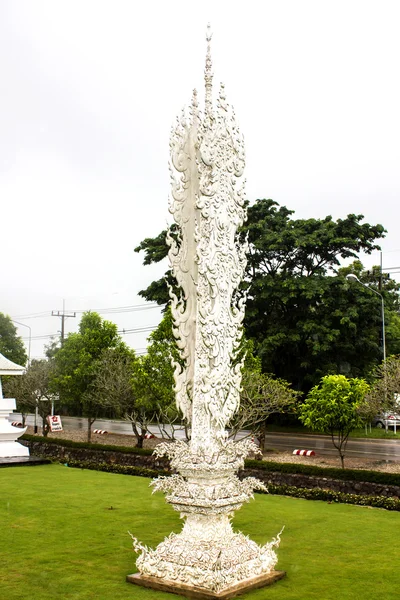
(208, 205)
(208, 263)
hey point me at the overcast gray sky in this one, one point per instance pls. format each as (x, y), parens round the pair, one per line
(89, 90)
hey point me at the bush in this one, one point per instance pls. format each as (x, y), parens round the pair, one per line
(71, 444)
(331, 472)
(113, 468)
(330, 496)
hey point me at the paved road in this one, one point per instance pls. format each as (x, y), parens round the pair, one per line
(356, 448)
(388, 450)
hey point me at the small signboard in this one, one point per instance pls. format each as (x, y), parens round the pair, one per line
(55, 423)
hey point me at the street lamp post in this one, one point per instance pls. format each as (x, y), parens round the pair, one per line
(352, 277)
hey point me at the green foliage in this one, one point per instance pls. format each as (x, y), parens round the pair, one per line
(112, 387)
(377, 477)
(392, 330)
(153, 381)
(155, 250)
(356, 475)
(339, 497)
(385, 390)
(114, 468)
(261, 396)
(87, 445)
(331, 407)
(332, 404)
(303, 316)
(77, 363)
(52, 348)
(298, 308)
(11, 345)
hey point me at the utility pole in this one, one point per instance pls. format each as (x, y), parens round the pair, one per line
(63, 315)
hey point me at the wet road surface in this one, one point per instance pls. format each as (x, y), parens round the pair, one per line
(321, 444)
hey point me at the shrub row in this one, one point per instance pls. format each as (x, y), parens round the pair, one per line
(330, 496)
(114, 468)
(271, 466)
(280, 490)
(331, 472)
(71, 444)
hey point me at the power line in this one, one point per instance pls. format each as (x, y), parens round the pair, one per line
(108, 310)
(122, 309)
(122, 331)
(34, 315)
(138, 330)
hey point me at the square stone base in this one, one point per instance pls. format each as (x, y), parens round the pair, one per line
(201, 593)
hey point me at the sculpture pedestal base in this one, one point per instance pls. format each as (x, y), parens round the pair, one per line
(23, 461)
(9, 449)
(200, 593)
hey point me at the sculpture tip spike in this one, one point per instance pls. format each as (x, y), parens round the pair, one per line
(208, 76)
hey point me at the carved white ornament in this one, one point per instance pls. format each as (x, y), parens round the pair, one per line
(207, 152)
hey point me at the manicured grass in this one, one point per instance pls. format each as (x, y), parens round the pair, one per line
(64, 537)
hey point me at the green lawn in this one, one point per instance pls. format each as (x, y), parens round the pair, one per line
(64, 537)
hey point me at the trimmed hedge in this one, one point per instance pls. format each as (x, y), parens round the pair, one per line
(357, 475)
(71, 444)
(330, 496)
(113, 468)
(331, 472)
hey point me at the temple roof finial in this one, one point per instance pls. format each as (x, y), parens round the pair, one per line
(208, 75)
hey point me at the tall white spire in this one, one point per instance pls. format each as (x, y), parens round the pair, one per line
(208, 262)
(208, 74)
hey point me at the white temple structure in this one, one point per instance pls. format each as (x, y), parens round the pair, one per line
(9, 447)
(207, 559)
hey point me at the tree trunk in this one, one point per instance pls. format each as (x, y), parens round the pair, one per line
(261, 436)
(89, 429)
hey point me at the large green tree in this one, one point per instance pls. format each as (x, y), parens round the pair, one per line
(302, 314)
(11, 345)
(77, 361)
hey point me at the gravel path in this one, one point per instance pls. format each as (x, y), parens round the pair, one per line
(324, 461)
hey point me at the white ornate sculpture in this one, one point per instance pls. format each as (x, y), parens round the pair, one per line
(207, 152)
(9, 447)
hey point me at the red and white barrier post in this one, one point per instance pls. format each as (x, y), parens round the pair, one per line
(304, 452)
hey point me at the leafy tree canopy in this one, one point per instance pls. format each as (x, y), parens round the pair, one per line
(385, 389)
(77, 362)
(303, 316)
(261, 396)
(332, 408)
(11, 345)
(153, 379)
